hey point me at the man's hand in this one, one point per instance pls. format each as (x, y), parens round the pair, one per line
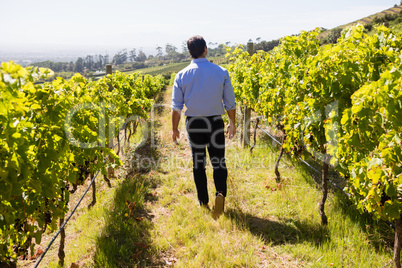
(175, 135)
(231, 131)
(175, 126)
(232, 124)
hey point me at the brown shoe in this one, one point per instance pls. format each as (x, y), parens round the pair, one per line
(219, 206)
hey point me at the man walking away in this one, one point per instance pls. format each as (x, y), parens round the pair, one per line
(206, 91)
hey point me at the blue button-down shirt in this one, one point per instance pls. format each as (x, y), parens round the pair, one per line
(204, 88)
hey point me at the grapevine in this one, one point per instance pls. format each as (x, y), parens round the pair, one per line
(338, 102)
(45, 148)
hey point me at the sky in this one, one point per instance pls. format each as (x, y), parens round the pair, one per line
(101, 24)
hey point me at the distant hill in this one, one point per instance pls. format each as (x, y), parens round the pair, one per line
(391, 17)
(397, 9)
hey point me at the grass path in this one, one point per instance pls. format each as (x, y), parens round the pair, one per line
(187, 233)
(264, 226)
(151, 217)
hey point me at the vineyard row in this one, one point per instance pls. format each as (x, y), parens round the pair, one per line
(341, 103)
(52, 136)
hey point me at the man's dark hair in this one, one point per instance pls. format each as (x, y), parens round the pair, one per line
(196, 46)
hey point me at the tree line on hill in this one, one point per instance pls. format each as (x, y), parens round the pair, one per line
(127, 59)
(335, 33)
(137, 59)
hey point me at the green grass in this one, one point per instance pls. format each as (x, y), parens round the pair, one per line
(166, 69)
(264, 225)
(173, 67)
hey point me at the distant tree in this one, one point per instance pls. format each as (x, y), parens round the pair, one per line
(266, 46)
(220, 50)
(88, 62)
(120, 57)
(45, 64)
(159, 51)
(95, 61)
(133, 55)
(70, 67)
(334, 35)
(169, 49)
(58, 66)
(368, 26)
(141, 57)
(258, 39)
(100, 61)
(124, 55)
(184, 48)
(79, 65)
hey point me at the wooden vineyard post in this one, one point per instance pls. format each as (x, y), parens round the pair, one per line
(246, 126)
(324, 173)
(110, 170)
(398, 242)
(278, 175)
(61, 252)
(247, 110)
(109, 71)
(255, 134)
(93, 191)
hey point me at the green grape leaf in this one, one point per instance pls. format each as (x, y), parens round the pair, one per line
(375, 175)
(38, 236)
(390, 190)
(391, 210)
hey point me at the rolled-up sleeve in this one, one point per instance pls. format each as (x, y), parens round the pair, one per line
(229, 100)
(177, 95)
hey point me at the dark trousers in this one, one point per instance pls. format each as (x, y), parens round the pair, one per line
(207, 133)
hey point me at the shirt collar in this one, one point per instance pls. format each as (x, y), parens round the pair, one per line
(199, 60)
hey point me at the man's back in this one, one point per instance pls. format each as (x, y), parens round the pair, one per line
(202, 86)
